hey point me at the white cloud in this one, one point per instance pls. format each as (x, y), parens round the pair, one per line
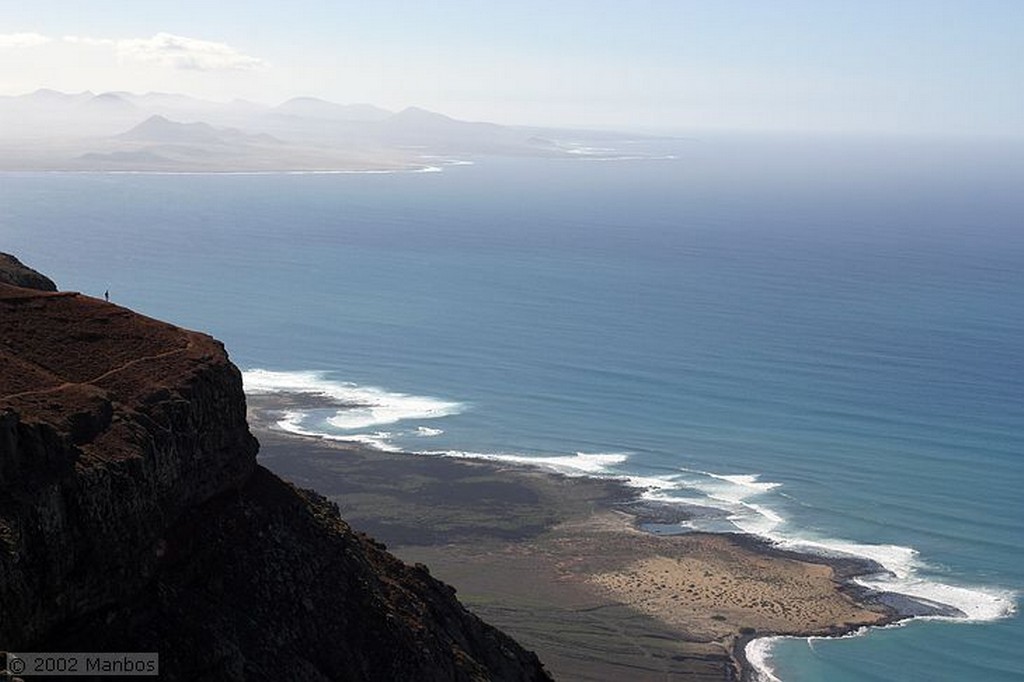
(93, 42)
(180, 52)
(22, 39)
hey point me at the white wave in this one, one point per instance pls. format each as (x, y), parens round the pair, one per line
(664, 157)
(447, 161)
(901, 562)
(731, 493)
(751, 481)
(759, 653)
(292, 423)
(651, 486)
(380, 440)
(427, 432)
(584, 152)
(581, 150)
(978, 604)
(363, 406)
(263, 382)
(389, 408)
(763, 521)
(322, 171)
(580, 464)
(901, 566)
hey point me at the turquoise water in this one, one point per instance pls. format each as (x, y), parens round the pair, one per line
(821, 337)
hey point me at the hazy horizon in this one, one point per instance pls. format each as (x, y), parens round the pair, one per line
(915, 68)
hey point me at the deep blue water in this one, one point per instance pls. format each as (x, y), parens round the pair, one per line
(821, 336)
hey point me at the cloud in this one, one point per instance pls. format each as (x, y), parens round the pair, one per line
(165, 49)
(22, 39)
(180, 52)
(93, 42)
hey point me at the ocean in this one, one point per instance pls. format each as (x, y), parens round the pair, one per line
(818, 338)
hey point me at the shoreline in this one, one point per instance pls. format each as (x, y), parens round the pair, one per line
(503, 534)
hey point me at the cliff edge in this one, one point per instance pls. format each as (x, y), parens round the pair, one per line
(13, 271)
(133, 517)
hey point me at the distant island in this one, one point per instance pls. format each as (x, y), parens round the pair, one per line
(158, 132)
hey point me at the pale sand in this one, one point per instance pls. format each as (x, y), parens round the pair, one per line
(708, 587)
(711, 589)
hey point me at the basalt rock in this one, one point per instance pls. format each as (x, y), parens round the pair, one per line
(14, 272)
(133, 517)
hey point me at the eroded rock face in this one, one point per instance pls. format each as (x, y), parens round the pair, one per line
(133, 517)
(14, 272)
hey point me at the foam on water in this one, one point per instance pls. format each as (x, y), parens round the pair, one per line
(663, 157)
(292, 423)
(579, 464)
(447, 161)
(758, 653)
(584, 152)
(379, 440)
(750, 481)
(322, 171)
(389, 408)
(902, 575)
(978, 604)
(362, 406)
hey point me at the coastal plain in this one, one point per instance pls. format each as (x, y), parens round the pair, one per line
(561, 562)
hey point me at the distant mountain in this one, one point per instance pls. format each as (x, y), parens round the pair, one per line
(155, 100)
(144, 157)
(47, 96)
(422, 117)
(52, 130)
(160, 130)
(416, 126)
(109, 103)
(311, 107)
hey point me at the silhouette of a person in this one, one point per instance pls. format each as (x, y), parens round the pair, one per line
(106, 295)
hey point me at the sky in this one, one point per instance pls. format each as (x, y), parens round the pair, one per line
(859, 66)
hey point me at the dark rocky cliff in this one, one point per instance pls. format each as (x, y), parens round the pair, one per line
(13, 271)
(133, 517)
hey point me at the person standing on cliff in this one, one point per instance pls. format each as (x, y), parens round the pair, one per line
(106, 295)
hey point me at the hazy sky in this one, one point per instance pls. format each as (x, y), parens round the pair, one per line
(853, 65)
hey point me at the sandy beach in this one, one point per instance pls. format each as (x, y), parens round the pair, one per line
(561, 565)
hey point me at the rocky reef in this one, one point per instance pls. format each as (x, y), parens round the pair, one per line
(134, 517)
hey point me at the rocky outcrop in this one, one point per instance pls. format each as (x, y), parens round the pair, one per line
(13, 271)
(133, 517)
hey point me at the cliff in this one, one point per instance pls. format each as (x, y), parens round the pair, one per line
(133, 517)
(13, 271)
